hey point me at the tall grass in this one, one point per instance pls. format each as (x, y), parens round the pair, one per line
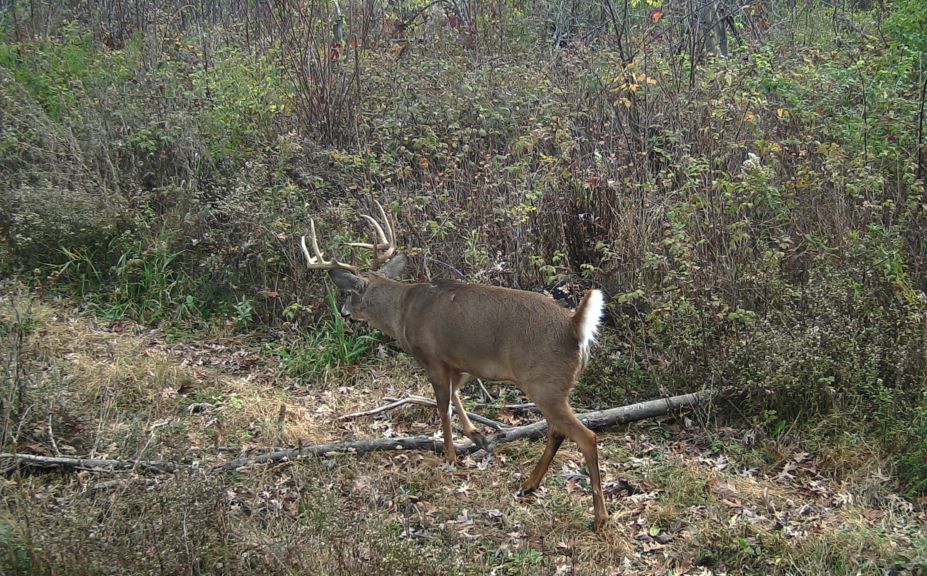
(327, 346)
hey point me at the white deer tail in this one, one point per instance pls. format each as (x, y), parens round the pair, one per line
(586, 321)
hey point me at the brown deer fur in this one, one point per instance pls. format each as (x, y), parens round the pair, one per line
(457, 331)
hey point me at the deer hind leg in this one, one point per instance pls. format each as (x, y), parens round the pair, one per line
(561, 418)
(440, 378)
(458, 380)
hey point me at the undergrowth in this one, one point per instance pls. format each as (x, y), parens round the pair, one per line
(325, 347)
(757, 216)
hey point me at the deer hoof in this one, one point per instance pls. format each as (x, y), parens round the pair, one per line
(525, 491)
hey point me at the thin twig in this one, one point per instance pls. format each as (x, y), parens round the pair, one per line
(121, 483)
(375, 411)
(422, 401)
(483, 388)
(51, 436)
(419, 401)
(524, 406)
(921, 169)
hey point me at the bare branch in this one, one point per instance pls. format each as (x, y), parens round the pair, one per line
(9, 461)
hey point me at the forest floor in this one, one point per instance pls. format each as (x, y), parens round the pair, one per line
(685, 497)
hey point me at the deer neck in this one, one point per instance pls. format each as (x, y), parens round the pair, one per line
(383, 301)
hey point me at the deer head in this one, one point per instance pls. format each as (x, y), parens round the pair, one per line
(350, 280)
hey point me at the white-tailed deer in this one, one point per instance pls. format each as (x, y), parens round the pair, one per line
(458, 331)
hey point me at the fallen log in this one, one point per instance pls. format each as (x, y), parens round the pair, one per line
(596, 420)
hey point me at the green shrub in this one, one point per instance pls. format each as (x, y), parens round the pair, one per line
(907, 24)
(245, 95)
(15, 556)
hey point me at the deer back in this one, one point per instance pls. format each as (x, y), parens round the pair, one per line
(489, 332)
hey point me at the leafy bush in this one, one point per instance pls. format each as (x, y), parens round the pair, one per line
(907, 24)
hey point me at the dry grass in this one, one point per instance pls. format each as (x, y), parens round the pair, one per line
(121, 391)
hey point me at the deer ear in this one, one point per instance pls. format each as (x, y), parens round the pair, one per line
(347, 281)
(395, 266)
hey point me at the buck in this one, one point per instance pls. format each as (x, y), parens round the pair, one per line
(457, 331)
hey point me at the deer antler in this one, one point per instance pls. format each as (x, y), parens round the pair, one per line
(382, 242)
(317, 262)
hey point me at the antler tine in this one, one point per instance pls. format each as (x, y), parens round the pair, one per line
(384, 242)
(317, 262)
(302, 242)
(389, 227)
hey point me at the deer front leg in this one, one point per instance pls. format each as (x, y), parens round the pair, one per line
(441, 382)
(554, 440)
(457, 381)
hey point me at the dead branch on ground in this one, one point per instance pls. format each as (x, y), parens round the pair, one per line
(9, 461)
(596, 420)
